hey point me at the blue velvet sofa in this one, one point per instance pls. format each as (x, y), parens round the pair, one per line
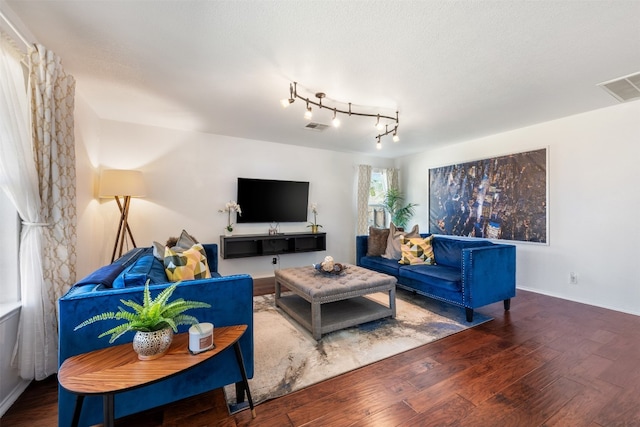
(231, 300)
(468, 273)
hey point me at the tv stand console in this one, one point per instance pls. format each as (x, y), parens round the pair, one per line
(252, 245)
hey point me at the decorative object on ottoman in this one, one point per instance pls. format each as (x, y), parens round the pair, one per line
(314, 225)
(329, 266)
(231, 206)
(152, 316)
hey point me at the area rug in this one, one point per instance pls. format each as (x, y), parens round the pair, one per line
(287, 358)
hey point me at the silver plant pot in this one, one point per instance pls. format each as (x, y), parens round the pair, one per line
(151, 345)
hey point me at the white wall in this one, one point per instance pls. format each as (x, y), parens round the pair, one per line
(594, 197)
(191, 175)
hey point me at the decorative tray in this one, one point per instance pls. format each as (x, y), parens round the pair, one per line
(328, 266)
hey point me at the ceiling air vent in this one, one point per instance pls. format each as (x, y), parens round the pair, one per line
(625, 88)
(318, 127)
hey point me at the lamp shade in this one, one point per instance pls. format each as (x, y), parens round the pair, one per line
(114, 182)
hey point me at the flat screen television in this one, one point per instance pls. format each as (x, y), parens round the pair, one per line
(268, 200)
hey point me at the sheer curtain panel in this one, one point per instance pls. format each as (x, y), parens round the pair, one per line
(20, 182)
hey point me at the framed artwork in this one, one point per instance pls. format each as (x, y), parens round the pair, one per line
(496, 198)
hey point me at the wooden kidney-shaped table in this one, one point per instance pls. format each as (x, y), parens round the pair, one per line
(117, 369)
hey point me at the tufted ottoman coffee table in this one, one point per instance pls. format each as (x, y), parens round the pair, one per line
(324, 302)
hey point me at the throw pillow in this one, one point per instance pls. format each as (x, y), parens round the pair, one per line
(377, 242)
(158, 250)
(186, 265)
(186, 240)
(416, 250)
(393, 250)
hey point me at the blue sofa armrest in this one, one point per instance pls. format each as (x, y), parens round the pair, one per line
(211, 249)
(362, 243)
(488, 274)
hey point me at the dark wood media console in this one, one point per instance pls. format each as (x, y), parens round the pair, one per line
(251, 245)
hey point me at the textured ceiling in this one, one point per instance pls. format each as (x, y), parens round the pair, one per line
(454, 70)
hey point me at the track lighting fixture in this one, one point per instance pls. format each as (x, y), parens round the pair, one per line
(382, 121)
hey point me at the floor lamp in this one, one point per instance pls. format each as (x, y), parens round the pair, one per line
(122, 184)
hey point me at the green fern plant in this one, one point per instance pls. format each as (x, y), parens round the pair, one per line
(152, 315)
(393, 203)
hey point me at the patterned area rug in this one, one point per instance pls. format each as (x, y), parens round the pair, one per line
(287, 358)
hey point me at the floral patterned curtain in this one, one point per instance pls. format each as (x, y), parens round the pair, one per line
(52, 103)
(364, 186)
(392, 178)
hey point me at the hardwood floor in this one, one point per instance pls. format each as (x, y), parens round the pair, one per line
(547, 362)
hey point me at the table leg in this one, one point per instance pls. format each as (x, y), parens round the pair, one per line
(77, 410)
(240, 360)
(392, 302)
(316, 320)
(108, 410)
(278, 292)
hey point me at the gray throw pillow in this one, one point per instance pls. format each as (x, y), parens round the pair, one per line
(394, 250)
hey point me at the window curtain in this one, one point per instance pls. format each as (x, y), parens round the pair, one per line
(37, 163)
(20, 182)
(392, 178)
(364, 187)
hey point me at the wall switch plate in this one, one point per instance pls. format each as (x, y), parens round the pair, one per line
(573, 278)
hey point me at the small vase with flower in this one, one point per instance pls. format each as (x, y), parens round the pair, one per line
(230, 207)
(314, 225)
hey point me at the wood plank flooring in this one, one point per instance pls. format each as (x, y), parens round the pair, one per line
(547, 362)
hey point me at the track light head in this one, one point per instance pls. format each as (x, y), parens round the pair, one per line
(308, 114)
(286, 102)
(335, 121)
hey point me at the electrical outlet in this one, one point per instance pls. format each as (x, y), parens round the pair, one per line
(573, 278)
(274, 261)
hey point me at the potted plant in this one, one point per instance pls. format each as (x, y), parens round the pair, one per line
(231, 206)
(154, 321)
(393, 203)
(314, 225)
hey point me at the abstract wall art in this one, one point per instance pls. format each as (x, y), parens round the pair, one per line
(497, 198)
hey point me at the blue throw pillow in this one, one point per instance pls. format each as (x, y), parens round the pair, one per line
(146, 267)
(103, 276)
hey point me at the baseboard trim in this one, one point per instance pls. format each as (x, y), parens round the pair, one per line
(13, 396)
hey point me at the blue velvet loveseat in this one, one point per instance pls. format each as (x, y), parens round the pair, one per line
(468, 273)
(231, 300)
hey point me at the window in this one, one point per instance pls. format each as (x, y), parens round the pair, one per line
(9, 242)
(377, 214)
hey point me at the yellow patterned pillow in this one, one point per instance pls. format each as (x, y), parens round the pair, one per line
(189, 264)
(416, 250)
